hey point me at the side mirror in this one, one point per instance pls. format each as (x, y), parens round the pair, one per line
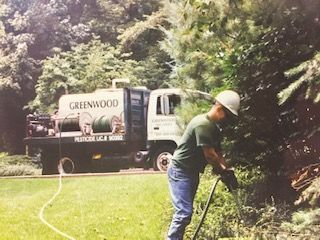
(165, 107)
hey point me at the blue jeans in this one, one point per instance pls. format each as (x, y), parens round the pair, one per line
(183, 187)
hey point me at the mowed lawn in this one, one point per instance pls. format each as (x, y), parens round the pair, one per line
(110, 207)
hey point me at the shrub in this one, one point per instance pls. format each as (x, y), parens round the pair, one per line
(222, 219)
(18, 165)
(311, 194)
(262, 217)
(304, 225)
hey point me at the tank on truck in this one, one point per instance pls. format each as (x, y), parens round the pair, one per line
(119, 80)
(89, 125)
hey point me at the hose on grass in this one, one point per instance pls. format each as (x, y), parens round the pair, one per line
(41, 213)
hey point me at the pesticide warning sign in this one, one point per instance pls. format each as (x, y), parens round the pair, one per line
(100, 138)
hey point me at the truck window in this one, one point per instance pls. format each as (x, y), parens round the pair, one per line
(159, 105)
(174, 101)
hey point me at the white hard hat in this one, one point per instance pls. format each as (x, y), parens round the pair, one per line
(230, 100)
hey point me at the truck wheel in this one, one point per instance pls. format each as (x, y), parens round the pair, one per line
(162, 158)
(49, 160)
(66, 166)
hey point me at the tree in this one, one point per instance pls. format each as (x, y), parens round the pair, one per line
(33, 30)
(247, 46)
(110, 18)
(308, 73)
(142, 40)
(29, 31)
(83, 69)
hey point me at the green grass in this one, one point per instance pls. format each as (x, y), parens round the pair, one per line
(113, 207)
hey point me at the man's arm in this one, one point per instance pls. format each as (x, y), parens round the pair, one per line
(214, 158)
(217, 161)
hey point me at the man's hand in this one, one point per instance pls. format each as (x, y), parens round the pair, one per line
(229, 179)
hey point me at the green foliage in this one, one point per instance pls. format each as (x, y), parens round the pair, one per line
(311, 195)
(29, 30)
(109, 19)
(304, 225)
(247, 46)
(267, 225)
(130, 35)
(142, 40)
(83, 69)
(153, 70)
(264, 218)
(222, 219)
(18, 165)
(34, 30)
(189, 108)
(202, 36)
(260, 72)
(309, 74)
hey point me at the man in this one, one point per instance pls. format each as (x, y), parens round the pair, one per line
(199, 146)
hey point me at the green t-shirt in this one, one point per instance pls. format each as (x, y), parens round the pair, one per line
(201, 131)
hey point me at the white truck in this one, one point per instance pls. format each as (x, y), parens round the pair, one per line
(108, 130)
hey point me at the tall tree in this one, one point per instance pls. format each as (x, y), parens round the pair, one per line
(83, 69)
(33, 30)
(30, 30)
(110, 18)
(248, 46)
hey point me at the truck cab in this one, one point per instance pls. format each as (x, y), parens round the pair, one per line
(163, 132)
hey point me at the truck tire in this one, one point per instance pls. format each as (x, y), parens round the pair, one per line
(162, 158)
(49, 160)
(74, 163)
(67, 166)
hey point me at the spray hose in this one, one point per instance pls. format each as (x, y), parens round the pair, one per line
(41, 213)
(204, 213)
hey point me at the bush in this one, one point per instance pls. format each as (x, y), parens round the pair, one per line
(261, 215)
(222, 219)
(189, 109)
(304, 225)
(18, 165)
(311, 195)
(276, 223)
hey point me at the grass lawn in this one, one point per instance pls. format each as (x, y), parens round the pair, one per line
(112, 207)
